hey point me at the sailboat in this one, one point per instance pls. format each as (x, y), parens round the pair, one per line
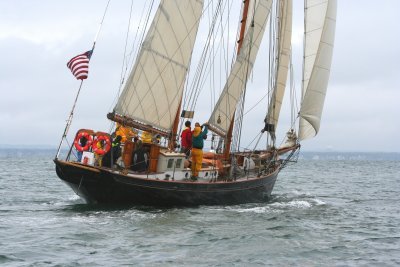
(157, 99)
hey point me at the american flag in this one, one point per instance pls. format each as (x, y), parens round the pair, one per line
(79, 65)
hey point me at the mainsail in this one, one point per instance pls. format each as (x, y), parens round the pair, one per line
(224, 110)
(154, 88)
(320, 20)
(284, 52)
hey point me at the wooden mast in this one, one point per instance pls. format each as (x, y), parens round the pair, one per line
(243, 26)
(172, 140)
(228, 142)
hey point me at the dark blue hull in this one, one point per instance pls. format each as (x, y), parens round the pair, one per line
(98, 185)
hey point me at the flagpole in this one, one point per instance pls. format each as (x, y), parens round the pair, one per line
(69, 121)
(71, 115)
(101, 24)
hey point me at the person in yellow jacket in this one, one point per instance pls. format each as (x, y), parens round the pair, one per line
(98, 159)
(125, 132)
(146, 137)
(198, 137)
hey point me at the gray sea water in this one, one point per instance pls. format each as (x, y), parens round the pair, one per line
(328, 209)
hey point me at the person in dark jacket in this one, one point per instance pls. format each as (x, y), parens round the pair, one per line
(198, 137)
(82, 143)
(114, 152)
(140, 158)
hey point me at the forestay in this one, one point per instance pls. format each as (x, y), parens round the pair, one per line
(224, 110)
(154, 88)
(320, 21)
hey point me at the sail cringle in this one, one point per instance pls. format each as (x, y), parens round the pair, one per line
(320, 21)
(154, 88)
(225, 108)
(285, 37)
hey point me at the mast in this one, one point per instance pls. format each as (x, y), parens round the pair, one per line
(243, 26)
(228, 139)
(171, 143)
(222, 117)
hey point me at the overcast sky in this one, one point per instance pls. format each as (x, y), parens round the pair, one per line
(37, 38)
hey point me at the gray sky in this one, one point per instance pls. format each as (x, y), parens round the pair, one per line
(37, 38)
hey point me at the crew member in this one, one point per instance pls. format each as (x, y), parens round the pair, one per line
(186, 139)
(198, 137)
(125, 132)
(146, 137)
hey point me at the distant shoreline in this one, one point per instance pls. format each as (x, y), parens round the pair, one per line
(304, 155)
(49, 147)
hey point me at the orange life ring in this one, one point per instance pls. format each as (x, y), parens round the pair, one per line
(78, 137)
(107, 146)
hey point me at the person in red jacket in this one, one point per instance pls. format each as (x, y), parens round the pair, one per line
(186, 139)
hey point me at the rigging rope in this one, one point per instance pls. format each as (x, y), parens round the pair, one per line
(135, 46)
(135, 51)
(191, 97)
(293, 96)
(126, 44)
(127, 58)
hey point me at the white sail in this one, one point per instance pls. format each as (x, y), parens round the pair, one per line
(284, 42)
(320, 21)
(225, 108)
(154, 88)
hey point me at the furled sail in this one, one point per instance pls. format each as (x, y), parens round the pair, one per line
(225, 108)
(320, 21)
(284, 44)
(154, 88)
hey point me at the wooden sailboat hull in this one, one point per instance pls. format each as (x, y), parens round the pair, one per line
(97, 185)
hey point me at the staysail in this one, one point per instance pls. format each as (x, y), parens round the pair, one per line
(225, 108)
(320, 21)
(154, 88)
(284, 52)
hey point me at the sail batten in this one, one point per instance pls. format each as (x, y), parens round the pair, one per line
(154, 88)
(224, 110)
(320, 20)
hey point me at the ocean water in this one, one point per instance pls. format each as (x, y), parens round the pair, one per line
(328, 209)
